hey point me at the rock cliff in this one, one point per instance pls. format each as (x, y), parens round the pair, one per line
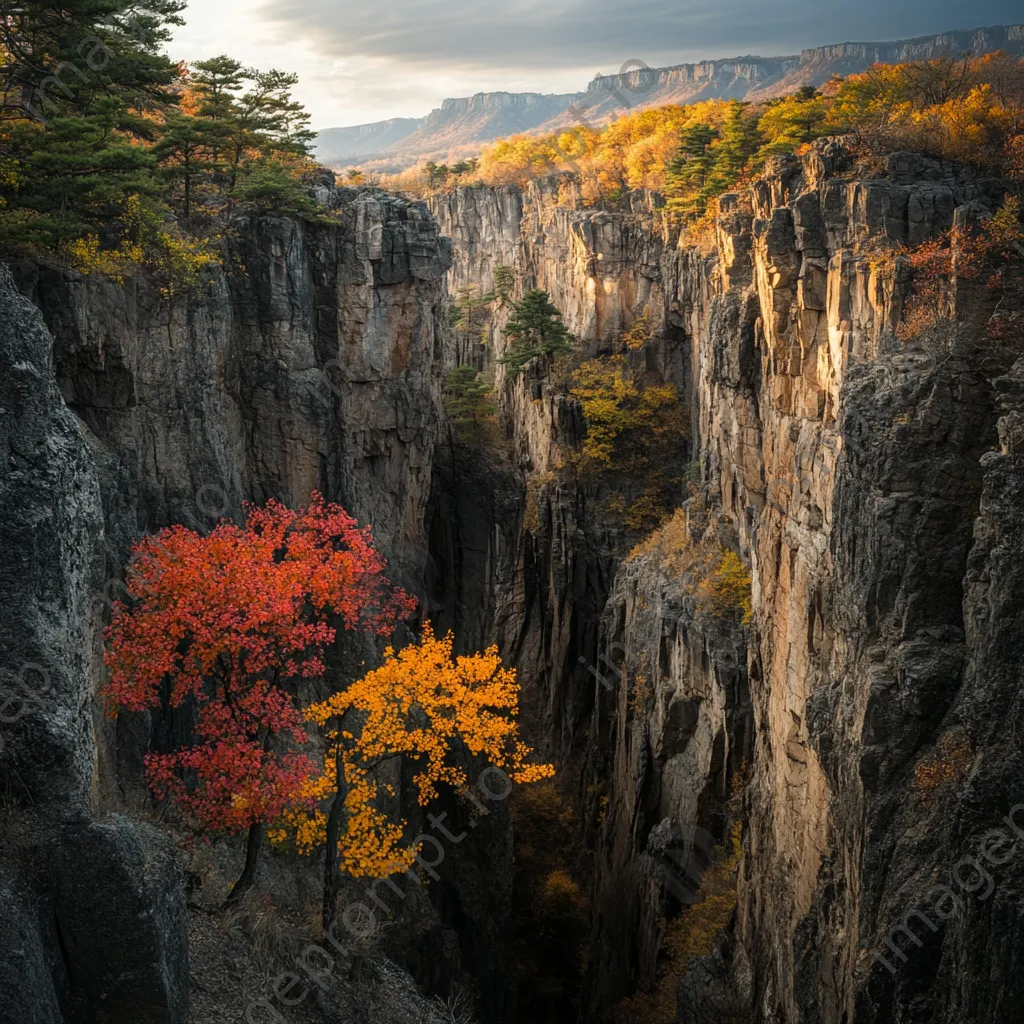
(869, 478)
(93, 924)
(313, 362)
(864, 475)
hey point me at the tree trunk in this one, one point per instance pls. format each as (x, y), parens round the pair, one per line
(188, 191)
(335, 825)
(252, 860)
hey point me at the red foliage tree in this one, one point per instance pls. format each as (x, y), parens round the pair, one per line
(229, 622)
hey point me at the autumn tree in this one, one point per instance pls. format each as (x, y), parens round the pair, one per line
(422, 704)
(988, 252)
(635, 429)
(534, 329)
(639, 332)
(226, 625)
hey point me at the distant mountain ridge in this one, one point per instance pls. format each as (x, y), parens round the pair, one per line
(486, 116)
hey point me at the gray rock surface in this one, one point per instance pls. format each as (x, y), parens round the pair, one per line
(92, 930)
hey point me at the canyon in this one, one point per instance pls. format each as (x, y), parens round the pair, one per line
(871, 480)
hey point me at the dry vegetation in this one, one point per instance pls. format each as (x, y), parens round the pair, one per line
(637, 431)
(950, 763)
(714, 576)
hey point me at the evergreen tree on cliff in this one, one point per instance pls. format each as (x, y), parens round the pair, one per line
(62, 59)
(688, 176)
(534, 329)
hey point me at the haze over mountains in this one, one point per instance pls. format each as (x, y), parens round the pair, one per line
(461, 124)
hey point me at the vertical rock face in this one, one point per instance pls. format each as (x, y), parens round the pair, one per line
(93, 923)
(853, 490)
(599, 268)
(314, 366)
(314, 362)
(868, 482)
(554, 568)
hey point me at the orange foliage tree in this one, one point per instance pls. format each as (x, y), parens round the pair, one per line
(227, 624)
(990, 252)
(969, 109)
(424, 705)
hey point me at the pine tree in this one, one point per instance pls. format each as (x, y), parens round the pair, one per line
(216, 82)
(435, 174)
(504, 283)
(268, 185)
(733, 149)
(186, 155)
(687, 176)
(60, 60)
(534, 329)
(469, 401)
(75, 177)
(467, 310)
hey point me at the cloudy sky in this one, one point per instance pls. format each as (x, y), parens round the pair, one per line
(364, 61)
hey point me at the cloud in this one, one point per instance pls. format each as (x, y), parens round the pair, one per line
(533, 34)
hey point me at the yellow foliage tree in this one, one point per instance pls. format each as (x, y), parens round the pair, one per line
(422, 704)
(726, 587)
(639, 333)
(969, 109)
(635, 428)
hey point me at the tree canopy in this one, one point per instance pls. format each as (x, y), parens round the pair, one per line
(964, 108)
(534, 329)
(95, 119)
(430, 707)
(227, 624)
